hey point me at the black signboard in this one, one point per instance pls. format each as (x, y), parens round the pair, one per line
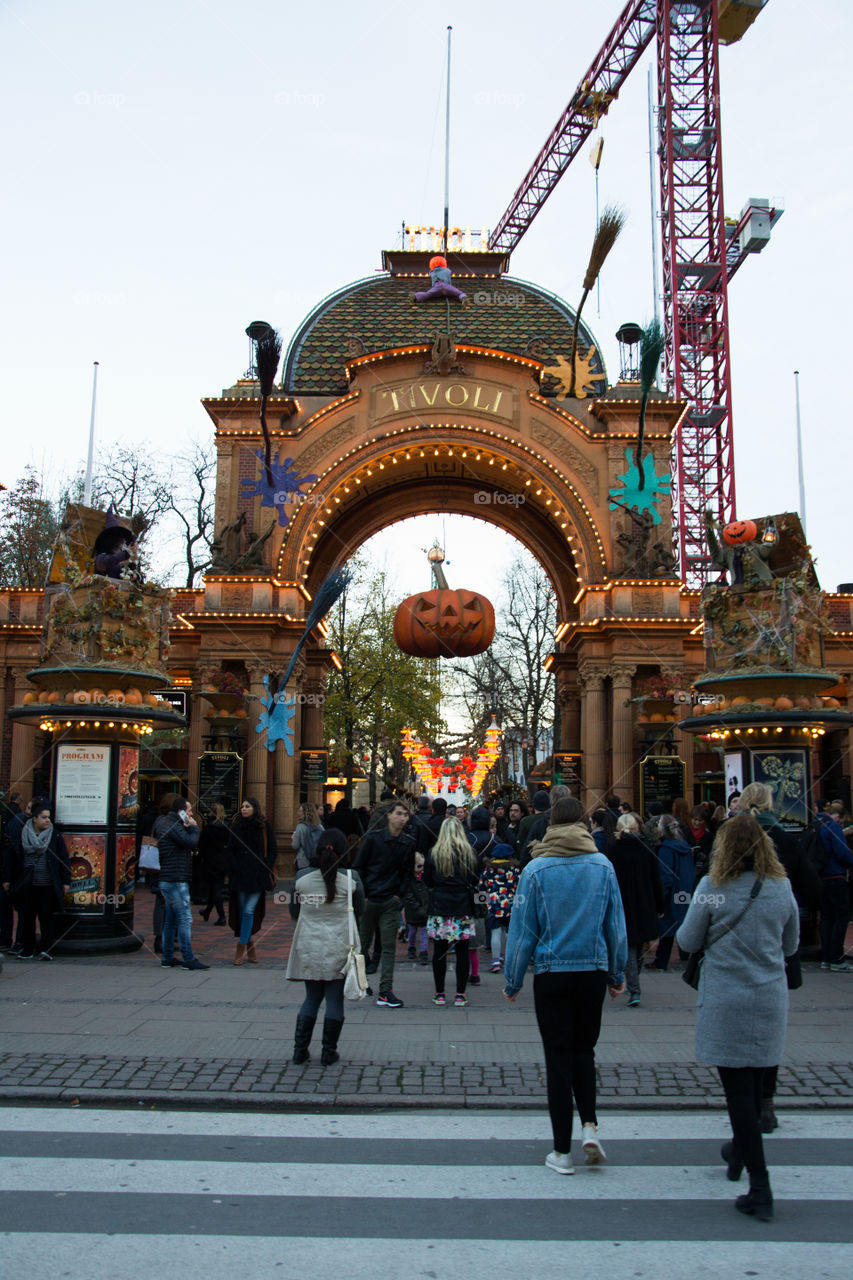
(567, 769)
(662, 778)
(220, 778)
(314, 766)
(177, 699)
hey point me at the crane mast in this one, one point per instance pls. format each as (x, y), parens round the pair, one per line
(700, 250)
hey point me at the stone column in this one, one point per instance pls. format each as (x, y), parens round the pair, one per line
(591, 677)
(568, 700)
(622, 675)
(23, 745)
(285, 798)
(255, 763)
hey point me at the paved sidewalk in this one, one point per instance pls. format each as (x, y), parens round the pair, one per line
(122, 1029)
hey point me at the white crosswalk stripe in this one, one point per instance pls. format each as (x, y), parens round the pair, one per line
(434, 1194)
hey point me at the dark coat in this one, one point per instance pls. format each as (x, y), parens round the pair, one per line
(639, 884)
(175, 844)
(58, 863)
(450, 896)
(384, 863)
(536, 831)
(415, 901)
(677, 874)
(250, 853)
(804, 878)
(211, 847)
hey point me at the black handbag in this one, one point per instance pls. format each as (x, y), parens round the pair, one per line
(793, 972)
(693, 967)
(20, 887)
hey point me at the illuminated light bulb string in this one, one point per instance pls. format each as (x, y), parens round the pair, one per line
(434, 772)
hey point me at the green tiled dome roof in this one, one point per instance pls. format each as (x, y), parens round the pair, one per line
(380, 313)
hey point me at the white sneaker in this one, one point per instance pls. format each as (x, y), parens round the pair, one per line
(559, 1163)
(592, 1148)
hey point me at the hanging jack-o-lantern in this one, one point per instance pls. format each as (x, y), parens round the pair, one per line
(740, 531)
(444, 623)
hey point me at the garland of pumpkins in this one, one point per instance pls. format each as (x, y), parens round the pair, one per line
(782, 703)
(131, 697)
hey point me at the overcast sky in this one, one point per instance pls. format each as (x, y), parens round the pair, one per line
(175, 170)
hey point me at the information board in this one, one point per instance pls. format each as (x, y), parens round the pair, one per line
(220, 781)
(314, 766)
(82, 783)
(662, 778)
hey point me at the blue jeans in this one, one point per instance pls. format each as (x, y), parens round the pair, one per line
(248, 902)
(179, 916)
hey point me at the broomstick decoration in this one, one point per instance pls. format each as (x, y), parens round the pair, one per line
(611, 223)
(267, 356)
(330, 592)
(651, 350)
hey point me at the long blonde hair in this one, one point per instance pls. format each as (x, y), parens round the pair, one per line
(309, 814)
(756, 796)
(741, 845)
(451, 852)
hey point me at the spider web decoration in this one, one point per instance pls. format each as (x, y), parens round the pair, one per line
(629, 493)
(286, 487)
(276, 720)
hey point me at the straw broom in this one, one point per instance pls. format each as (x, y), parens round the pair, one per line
(611, 223)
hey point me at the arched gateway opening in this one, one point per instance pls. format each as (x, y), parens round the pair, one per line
(389, 408)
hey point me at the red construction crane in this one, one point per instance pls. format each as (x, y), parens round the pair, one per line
(701, 249)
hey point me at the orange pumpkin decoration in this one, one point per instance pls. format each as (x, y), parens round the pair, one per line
(151, 700)
(444, 623)
(740, 531)
(240, 713)
(80, 695)
(116, 696)
(43, 696)
(29, 698)
(96, 695)
(784, 704)
(831, 704)
(55, 696)
(133, 697)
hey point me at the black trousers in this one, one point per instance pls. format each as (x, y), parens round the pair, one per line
(743, 1087)
(568, 1011)
(40, 902)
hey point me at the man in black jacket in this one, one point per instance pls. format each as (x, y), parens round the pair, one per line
(385, 860)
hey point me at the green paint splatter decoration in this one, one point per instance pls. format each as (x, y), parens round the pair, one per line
(639, 497)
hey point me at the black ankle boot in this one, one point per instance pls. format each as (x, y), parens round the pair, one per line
(758, 1202)
(302, 1039)
(768, 1116)
(735, 1165)
(331, 1032)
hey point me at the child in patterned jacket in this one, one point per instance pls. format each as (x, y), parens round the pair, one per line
(415, 903)
(498, 884)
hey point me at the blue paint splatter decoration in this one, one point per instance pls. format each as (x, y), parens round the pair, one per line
(630, 494)
(285, 488)
(276, 720)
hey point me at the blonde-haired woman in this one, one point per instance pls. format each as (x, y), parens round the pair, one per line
(744, 916)
(451, 873)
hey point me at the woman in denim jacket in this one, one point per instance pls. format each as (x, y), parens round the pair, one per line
(567, 917)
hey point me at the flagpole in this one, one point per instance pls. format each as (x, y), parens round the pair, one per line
(87, 483)
(800, 475)
(447, 148)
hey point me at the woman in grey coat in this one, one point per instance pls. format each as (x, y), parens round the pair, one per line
(321, 943)
(745, 917)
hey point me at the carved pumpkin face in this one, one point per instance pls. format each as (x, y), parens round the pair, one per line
(740, 531)
(445, 624)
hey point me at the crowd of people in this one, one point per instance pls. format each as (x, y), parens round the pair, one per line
(588, 900)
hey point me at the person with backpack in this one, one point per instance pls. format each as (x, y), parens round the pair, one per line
(306, 835)
(834, 863)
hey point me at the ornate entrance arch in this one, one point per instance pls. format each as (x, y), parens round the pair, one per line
(376, 422)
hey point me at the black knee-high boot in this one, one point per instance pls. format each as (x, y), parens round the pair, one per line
(304, 1031)
(331, 1032)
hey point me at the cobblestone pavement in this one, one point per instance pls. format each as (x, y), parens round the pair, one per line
(120, 1029)
(56, 1077)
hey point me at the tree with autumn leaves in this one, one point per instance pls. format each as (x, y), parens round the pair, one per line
(379, 690)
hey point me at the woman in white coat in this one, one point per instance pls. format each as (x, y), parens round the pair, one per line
(745, 918)
(320, 943)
